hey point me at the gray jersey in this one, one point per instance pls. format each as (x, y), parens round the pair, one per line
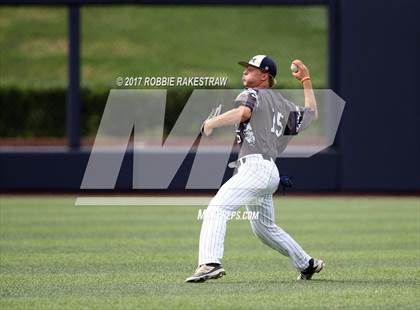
(273, 122)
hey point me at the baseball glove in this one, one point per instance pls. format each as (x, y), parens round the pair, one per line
(285, 182)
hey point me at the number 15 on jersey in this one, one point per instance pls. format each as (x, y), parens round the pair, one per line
(277, 128)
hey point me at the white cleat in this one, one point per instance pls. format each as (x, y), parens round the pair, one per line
(315, 266)
(206, 272)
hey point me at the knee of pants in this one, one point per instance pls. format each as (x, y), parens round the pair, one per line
(261, 230)
(219, 204)
(258, 229)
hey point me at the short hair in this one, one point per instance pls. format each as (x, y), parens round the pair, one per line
(271, 81)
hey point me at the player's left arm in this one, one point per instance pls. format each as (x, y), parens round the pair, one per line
(231, 117)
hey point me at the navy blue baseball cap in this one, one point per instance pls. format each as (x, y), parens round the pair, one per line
(262, 62)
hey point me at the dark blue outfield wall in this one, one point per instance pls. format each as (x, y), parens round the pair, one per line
(63, 171)
(378, 77)
(374, 66)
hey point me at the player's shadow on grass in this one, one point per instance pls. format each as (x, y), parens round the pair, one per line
(323, 280)
(227, 282)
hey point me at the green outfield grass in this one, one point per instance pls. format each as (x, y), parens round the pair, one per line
(55, 255)
(159, 41)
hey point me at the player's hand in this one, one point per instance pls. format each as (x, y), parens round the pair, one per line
(303, 72)
(206, 129)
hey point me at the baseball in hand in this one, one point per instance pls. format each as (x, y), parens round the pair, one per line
(294, 68)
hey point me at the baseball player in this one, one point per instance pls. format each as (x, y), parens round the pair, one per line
(265, 121)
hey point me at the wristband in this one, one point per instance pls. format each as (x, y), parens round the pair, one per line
(305, 79)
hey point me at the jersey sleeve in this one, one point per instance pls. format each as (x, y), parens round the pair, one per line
(299, 119)
(247, 98)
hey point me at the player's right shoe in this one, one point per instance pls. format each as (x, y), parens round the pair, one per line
(206, 272)
(315, 266)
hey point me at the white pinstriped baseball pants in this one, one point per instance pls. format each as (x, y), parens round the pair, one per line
(253, 185)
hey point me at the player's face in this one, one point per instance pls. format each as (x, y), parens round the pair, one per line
(253, 77)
